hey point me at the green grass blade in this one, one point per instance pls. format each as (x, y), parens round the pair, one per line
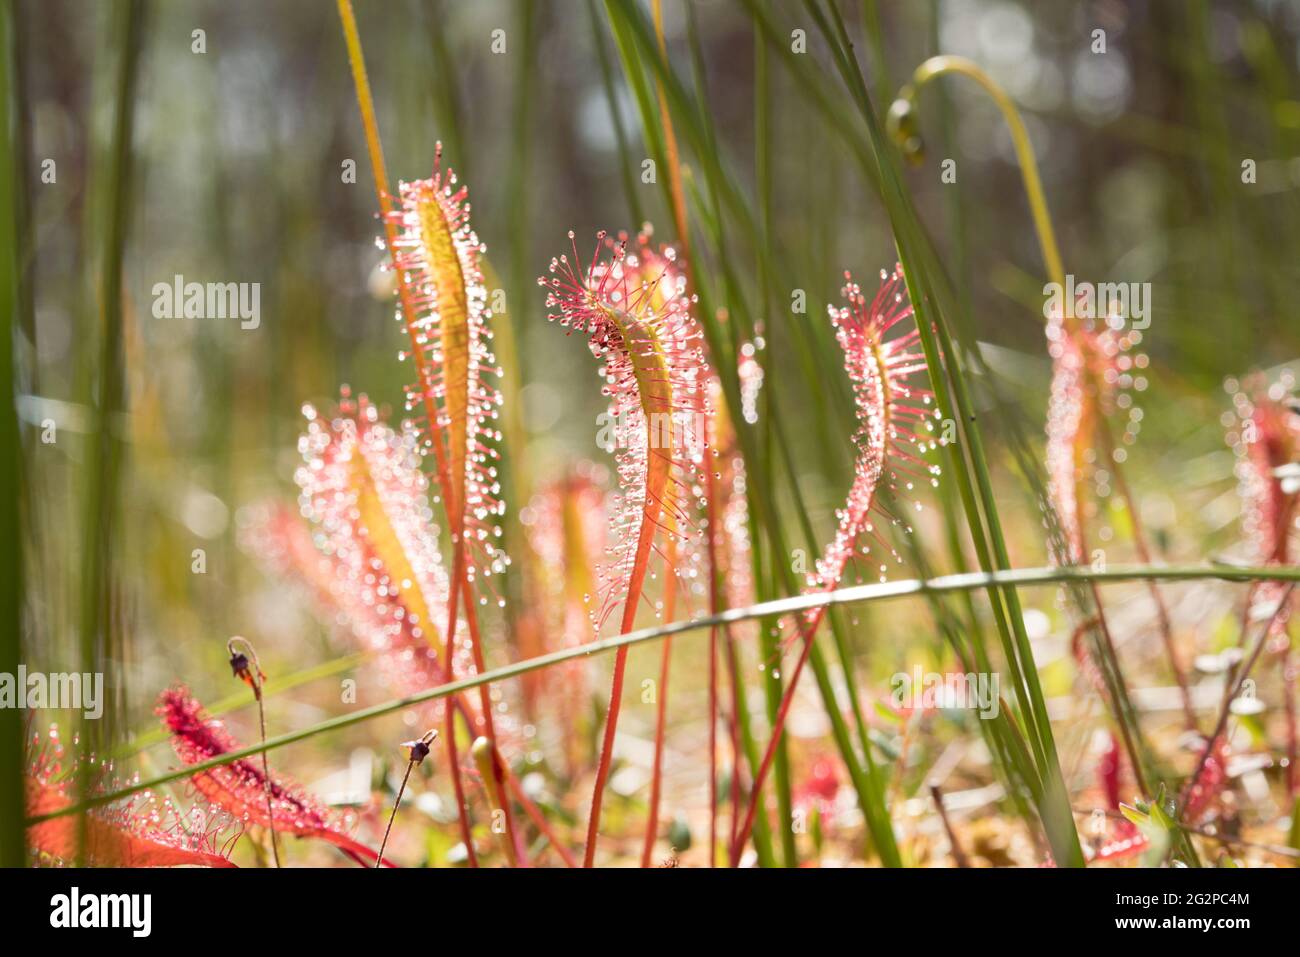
(13, 851)
(1021, 577)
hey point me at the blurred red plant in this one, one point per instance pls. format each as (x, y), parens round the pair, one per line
(566, 525)
(1124, 839)
(1095, 371)
(1267, 445)
(373, 562)
(239, 787)
(140, 831)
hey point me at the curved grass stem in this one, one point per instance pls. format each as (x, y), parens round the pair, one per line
(945, 65)
(970, 581)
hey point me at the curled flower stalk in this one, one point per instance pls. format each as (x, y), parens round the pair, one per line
(881, 362)
(641, 328)
(239, 788)
(139, 831)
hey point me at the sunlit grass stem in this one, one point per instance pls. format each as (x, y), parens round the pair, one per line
(1020, 577)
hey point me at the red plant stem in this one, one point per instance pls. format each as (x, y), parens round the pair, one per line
(661, 713)
(737, 702)
(366, 105)
(1103, 627)
(1230, 691)
(462, 810)
(1130, 746)
(711, 490)
(1144, 554)
(634, 588)
(1288, 702)
(537, 817)
(532, 810)
(808, 632)
(485, 693)
(713, 747)
(606, 751)
(958, 855)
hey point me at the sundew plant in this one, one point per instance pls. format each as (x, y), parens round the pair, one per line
(653, 434)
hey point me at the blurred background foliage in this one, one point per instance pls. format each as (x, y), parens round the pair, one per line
(238, 155)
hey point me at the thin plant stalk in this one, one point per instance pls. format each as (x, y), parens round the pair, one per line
(661, 703)
(715, 600)
(383, 845)
(670, 149)
(625, 165)
(1233, 688)
(958, 854)
(365, 103)
(772, 689)
(248, 669)
(418, 750)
